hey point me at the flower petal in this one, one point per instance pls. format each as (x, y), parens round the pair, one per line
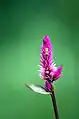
(37, 89)
(58, 72)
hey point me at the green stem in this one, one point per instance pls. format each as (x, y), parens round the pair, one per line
(54, 105)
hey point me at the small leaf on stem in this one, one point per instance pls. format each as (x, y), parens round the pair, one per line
(37, 89)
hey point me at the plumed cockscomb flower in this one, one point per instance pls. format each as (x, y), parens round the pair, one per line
(48, 71)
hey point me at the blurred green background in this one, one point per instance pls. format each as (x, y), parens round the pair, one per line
(23, 23)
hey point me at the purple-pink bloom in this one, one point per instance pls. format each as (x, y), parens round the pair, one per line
(48, 69)
(49, 72)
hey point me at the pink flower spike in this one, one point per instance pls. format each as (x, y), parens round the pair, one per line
(48, 69)
(46, 59)
(58, 73)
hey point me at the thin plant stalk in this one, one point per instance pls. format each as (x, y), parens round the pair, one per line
(54, 104)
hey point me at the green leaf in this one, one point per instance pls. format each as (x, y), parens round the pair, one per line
(37, 89)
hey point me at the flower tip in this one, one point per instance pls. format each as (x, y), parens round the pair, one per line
(58, 73)
(46, 39)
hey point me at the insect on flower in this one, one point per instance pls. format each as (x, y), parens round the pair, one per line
(48, 69)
